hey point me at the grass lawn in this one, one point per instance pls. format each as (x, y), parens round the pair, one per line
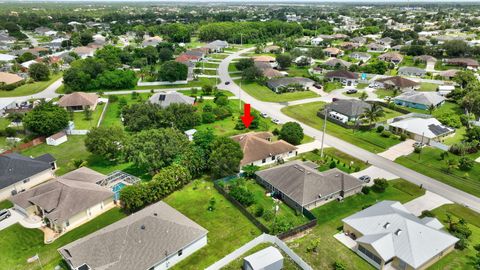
(30, 88)
(209, 72)
(330, 86)
(263, 93)
(6, 204)
(428, 87)
(288, 263)
(207, 65)
(408, 62)
(431, 165)
(268, 204)
(459, 259)
(227, 228)
(457, 137)
(362, 85)
(82, 123)
(381, 93)
(296, 71)
(17, 243)
(343, 161)
(329, 218)
(232, 67)
(369, 140)
(218, 56)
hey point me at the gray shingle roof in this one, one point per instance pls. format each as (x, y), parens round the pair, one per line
(15, 167)
(164, 99)
(138, 241)
(425, 98)
(304, 185)
(274, 83)
(349, 107)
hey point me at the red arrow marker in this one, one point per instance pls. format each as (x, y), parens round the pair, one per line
(247, 118)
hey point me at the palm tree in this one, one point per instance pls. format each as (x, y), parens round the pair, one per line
(373, 113)
(363, 96)
(431, 108)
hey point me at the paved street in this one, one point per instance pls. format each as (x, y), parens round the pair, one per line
(274, 110)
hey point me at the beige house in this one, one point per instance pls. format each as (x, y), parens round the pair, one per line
(78, 101)
(68, 201)
(388, 236)
(9, 79)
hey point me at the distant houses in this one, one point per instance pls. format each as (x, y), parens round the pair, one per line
(419, 100)
(391, 57)
(396, 82)
(165, 99)
(289, 84)
(411, 71)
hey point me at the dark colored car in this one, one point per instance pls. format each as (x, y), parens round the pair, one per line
(227, 83)
(351, 91)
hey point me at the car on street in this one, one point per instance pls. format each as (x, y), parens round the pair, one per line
(365, 178)
(318, 85)
(351, 91)
(227, 83)
(4, 214)
(275, 121)
(264, 115)
(418, 145)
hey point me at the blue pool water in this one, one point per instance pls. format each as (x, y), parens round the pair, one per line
(116, 190)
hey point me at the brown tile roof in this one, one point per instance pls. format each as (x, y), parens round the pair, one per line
(463, 62)
(332, 50)
(9, 78)
(342, 74)
(78, 99)
(391, 56)
(255, 146)
(272, 73)
(263, 58)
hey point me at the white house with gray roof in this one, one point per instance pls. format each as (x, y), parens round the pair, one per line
(388, 236)
(411, 71)
(157, 237)
(421, 129)
(164, 99)
(419, 100)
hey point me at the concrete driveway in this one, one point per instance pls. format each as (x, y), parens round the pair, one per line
(429, 201)
(401, 149)
(14, 218)
(374, 173)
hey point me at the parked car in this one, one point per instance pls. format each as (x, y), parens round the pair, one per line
(275, 121)
(318, 85)
(227, 83)
(264, 115)
(365, 178)
(418, 144)
(352, 91)
(4, 214)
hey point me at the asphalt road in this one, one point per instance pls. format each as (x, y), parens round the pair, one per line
(274, 111)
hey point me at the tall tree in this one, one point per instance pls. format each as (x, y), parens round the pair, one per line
(225, 157)
(291, 132)
(373, 113)
(46, 119)
(106, 142)
(39, 72)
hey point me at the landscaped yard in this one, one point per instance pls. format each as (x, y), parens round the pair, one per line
(329, 218)
(207, 65)
(330, 86)
(408, 62)
(30, 88)
(17, 243)
(268, 204)
(428, 87)
(263, 93)
(82, 123)
(296, 71)
(369, 140)
(227, 228)
(382, 93)
(429, 163)
(343, 161)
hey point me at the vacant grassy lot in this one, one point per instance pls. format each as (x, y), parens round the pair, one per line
(30, 88)
(296, 71)
(263, 93)
(329, 218)
(369, 140)
(429, 163)
(17, 243)
(227, 228)
(428, 87)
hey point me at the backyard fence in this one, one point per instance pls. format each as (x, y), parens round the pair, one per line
(23, 146)
(264, 238)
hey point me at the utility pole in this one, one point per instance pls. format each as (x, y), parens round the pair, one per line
(240, 97)
(324, 131)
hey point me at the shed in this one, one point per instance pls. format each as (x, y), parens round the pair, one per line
(269, 258)
(57, 138)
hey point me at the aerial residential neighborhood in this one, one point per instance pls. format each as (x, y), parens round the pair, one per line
(140, 135)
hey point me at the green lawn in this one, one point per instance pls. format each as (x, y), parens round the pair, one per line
(207, 65)
(268, 204)
(17, 243)
(329, 218)
(209, 72)
(263, 93)
(428, 87)
(232, 67)
(430, 164)
(82, 123)
(459, 259)
(296, 71)
(288, 263)
(330, 86)
(5, 204)
(343, 161)
(408, 62)
(218, 56)
(381, 93)
(369, 140)
(362, 85)
(227, 228)
(30, 88)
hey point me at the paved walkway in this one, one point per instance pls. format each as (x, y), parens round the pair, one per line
(429, 201)
(398, 150)
(345, 240)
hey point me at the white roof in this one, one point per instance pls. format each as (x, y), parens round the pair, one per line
(264, 258)
(394, 232)
(28, 63)
(7, 57)
(428, 127)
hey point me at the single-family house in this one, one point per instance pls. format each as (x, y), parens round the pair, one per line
(361, 56)
(10, 79)
(316, 41)
(217, 45)
(289, 84)
(300, 185)
(19, 173)
(448, 74)
(346, 77)
(259, 149)
(200, 54)
(157, 237)
(272, 73)
(268, 258)
(45, 31)
(375, 47)
(425, 58)
(386, 41)
(266, 59)
(337, 62)
(419, 100)
(349, 45)
(182, 58)
(165, 99)
(84, 51)
(444, 90)
(78, 101)
(388, 236)
(396, 82)
(346, 110)
(67, 201)
(273, 49)
(391, 57)
(463, 62)
(57, 138)
(332, 52)
(7, 57)
(411, 71)
(151, 41)
(397, 48)
(421, 129)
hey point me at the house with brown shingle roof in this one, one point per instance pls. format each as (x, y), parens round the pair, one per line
(392, 57)
(396, 82)
(344, 76)
(259, 148)
(332, 52)
(78, 101)
(463, 62)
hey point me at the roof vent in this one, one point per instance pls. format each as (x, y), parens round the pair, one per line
(155, 214)
(398, 232)
(319, 195)
(142, 227)
(386, 225)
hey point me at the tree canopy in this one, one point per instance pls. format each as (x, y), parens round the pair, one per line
(46, 119)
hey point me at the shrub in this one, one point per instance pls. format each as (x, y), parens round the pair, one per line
(339, 266)
(276, 132)
(380, 185)
(259, 211)
(333, 164)
(417, 149)
(427, 213)
(380, 129)
(242, 195)
(10, 132)
(365, 190)
(112, 98)
(386, 134)
(268, 215)
(281, 225)
(403, 137)
(466, 163)
(313, 245)
(208, 117)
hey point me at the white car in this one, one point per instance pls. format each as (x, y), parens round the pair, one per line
(264, 115)
(276, 121)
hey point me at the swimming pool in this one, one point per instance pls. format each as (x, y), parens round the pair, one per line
(116, 190)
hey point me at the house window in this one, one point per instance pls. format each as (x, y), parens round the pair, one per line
(67, 223)
(26, 180)
(263, 160)
(370, 255)
(180, 252)
(273, 158)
